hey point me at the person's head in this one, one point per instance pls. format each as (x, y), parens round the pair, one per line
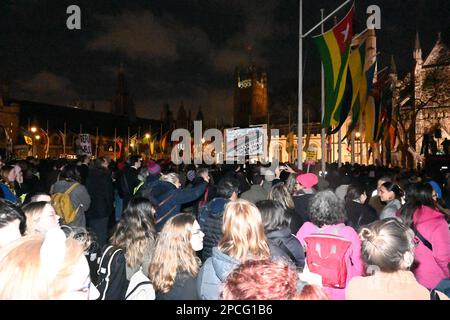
(388, 245)
(46, 267)
(243, 232)
(228, 188)
(84, 159)
(420, 194)
(257, 178)
(273, 214)
(101, 163)
(8, 174)
(203, 172)
(307, 180)
(175, 250)
(173, 178)
(154, 169)
(437, 191)
(41, 217)
(326, 208)
(356, 192)
(381, 181)
(281, 194)
(12, 223)
(291, 183)
(135, 161)
(70, 172)
(390, 191)
(135, 232)
(268, 280)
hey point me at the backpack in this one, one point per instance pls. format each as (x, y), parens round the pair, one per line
(63, 205)
(140, 287)
(325, 255)
(112, 282)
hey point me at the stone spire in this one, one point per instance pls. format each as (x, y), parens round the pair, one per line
(417, 49)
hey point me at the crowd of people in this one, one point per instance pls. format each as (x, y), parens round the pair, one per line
(145, 229)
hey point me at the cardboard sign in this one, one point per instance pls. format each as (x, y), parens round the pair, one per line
(311, 155)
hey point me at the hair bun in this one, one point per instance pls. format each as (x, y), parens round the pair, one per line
(366, 234)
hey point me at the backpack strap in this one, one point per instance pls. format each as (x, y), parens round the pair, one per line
(422, 238)
(166, 199)
(165, 216)
(116, 251)
(285, 249)
(137, 287)
(72, 187)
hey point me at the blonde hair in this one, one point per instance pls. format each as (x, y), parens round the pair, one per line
(21, 275)
(243, 232)
(385, 242)
(33, 212)
(173, 253)
(280, 193)
(170, 177)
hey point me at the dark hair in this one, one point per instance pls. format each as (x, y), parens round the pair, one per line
(273, 215)
(394, 188)
(419, 195)
(354, 191)
(140, 206)
(326, 208)
(134, 159)
(70, 172)
(9, 213)
(227, 186)
(33, 195)
(98, 163)
(256, 178)
(83, 157)
(202, 170)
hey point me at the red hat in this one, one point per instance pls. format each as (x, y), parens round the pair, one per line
(307, 180)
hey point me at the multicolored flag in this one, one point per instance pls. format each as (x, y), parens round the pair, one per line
(355, 76)
(334, 49)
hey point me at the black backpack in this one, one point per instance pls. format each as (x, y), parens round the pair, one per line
(112, 280)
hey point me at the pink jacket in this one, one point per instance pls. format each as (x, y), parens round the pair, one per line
(432, 265)
(355, 266)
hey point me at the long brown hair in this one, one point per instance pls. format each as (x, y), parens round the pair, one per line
(173, 253)
(243, 232)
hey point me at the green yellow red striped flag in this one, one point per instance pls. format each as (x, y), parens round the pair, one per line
(334, 49)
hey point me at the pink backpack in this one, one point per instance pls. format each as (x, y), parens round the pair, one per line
(325, 255)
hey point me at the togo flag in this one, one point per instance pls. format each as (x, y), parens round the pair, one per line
(355, 76)
(334, 49)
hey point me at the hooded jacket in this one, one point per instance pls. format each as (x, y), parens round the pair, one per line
(283, 244)
(214, 273)
(432, 265)
(210, 220)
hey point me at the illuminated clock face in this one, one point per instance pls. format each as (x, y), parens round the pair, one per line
(245, 83)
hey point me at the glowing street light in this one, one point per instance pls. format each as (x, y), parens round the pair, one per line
(33, 129)
(357, 135)
(147, 135)
(37, 137)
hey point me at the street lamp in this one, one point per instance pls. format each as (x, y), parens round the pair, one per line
(357, 135)
(37, 137)
(33, 129)
(147, 135)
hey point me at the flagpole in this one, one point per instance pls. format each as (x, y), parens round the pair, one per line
(64, 142)
(115, 141)
(300, 92)
(96, 142)
(322, 132)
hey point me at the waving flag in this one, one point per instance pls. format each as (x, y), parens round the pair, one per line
(334, 49)
(355, 75)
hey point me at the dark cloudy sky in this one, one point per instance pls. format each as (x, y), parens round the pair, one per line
(185, 50)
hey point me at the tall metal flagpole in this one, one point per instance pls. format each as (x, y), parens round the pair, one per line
(322, 133)
(300, 92)
(300, 78)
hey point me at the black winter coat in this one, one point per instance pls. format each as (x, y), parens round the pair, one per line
(283, 244)
(100, 188)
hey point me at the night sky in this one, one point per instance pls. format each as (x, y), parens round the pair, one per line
(178, 51)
